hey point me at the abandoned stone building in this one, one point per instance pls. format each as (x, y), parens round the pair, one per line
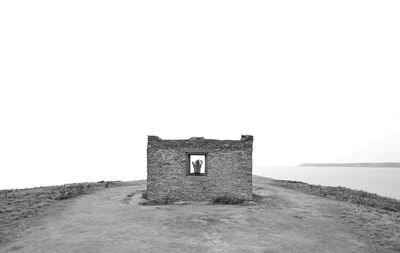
(199, 169)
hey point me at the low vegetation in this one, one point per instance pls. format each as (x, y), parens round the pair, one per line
(344, 194)
(227, 201)
(18, 207)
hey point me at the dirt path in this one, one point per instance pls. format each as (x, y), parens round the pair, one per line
(283, 221)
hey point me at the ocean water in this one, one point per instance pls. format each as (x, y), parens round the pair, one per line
(383, 181)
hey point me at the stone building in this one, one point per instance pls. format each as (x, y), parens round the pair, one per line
(199, 169)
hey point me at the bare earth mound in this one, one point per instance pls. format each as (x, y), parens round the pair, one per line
(279, 220)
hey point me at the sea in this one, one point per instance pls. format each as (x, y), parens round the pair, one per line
(383, 181)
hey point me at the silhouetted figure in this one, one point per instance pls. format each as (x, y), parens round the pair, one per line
(197, 166)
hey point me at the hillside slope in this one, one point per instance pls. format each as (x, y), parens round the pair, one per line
(279, 220)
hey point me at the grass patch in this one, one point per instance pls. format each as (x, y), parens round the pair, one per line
(344, 194)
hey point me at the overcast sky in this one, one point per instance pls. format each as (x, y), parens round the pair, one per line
(82, 83)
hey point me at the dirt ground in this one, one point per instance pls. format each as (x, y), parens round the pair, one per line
(22, 208)
(280, 220)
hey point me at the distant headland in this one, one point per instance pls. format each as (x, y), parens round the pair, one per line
(385, 165)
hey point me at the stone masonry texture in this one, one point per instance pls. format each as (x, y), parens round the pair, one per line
(228, 169)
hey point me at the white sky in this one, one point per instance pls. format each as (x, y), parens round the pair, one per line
(82, 83)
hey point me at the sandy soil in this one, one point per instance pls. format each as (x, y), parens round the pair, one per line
(281, 220)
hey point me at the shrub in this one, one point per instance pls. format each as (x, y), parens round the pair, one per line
(70, 191)
(80, 188)
(227, 200)
(64, 193)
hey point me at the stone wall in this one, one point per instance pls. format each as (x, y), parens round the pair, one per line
(228, 166)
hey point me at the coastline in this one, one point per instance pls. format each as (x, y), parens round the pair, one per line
(370, 165)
